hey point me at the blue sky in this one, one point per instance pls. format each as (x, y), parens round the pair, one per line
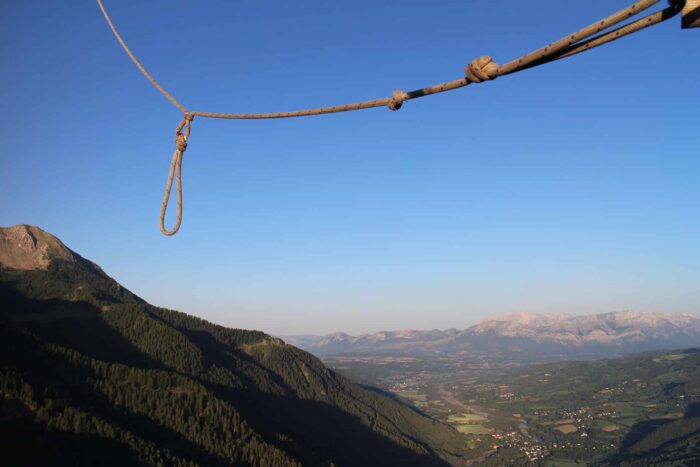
(572, 187)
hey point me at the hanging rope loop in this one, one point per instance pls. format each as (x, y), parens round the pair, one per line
(176, 171)
(479, 70)
(482, 69)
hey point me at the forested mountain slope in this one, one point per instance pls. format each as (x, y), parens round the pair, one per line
(91, 373)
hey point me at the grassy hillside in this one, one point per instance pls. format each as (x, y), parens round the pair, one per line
(90, 372)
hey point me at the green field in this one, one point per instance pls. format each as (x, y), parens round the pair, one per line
(469, 424)
(553, 462)
(465, 419)
(473, 429)
(413, 396)
(670, 357)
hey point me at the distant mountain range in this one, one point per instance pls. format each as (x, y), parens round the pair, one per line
(91, 374)
(524, 335)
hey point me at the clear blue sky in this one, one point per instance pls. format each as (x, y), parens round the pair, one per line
(573, 187)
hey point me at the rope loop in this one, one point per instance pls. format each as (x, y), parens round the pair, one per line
(397, 99)
(482, 69)
(176, 170)
(479, 70)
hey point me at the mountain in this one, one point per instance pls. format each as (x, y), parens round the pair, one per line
(26, 247)
(92, 374)
(526, 335)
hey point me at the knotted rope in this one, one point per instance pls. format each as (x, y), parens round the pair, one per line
(479, 70)
(397, 99)
(176, 167)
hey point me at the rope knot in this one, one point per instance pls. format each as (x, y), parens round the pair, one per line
(397, 99)
(181, 142)
(482, 69)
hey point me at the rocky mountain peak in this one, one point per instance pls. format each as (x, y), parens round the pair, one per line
(575, 335)
(28, 247)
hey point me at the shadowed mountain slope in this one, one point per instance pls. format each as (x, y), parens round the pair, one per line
(90, 373)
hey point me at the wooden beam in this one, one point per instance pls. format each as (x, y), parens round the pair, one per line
(691, 14)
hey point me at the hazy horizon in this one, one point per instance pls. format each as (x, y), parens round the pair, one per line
(488, 317)
(571, 187)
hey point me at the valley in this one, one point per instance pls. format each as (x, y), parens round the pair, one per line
(90, 369)
(556, 414)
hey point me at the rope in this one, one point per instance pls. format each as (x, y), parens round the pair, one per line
(477, 71)
(176, 165)
(137, 63)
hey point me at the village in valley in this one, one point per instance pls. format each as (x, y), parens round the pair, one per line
(552, 414)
